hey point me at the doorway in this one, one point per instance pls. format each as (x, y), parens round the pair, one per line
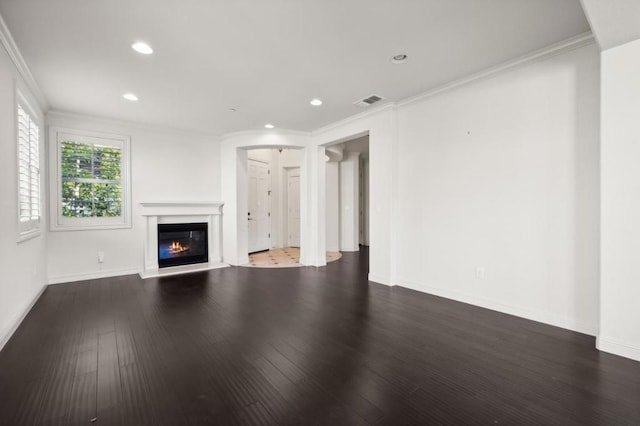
(273, 212)
(347, 195)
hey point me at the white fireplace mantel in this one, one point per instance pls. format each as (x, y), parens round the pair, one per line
(162, 212)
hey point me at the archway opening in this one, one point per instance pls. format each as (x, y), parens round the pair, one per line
(347, 194)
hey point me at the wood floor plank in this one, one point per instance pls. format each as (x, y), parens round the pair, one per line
(83, 400)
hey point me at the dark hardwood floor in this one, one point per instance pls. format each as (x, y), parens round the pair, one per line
(298, 346)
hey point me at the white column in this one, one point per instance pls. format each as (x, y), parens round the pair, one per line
(312, 207)
(151, 243)
(620, 204)
(235, 193)
(215, 238)
(332, 210)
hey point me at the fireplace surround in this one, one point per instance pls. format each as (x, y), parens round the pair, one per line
(176, 218)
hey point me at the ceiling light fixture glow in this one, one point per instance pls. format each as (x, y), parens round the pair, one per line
(269, 126)
(316, 102)
(130, 97)
(398, 59)
(142, 47)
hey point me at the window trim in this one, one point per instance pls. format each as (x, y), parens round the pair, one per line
(31, 228)
(61, 223)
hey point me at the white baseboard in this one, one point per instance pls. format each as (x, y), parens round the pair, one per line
(239, 262)
(60, 279)
(519, 311)
(350, 249)
(4, 338)
(617, 347)
(379, 279)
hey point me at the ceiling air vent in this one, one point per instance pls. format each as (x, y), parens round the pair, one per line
(368, 101)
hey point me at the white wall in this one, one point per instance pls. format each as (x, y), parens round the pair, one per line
(620, 280)
(350, 202)
(165, 166)
(332, 197)
(502, 174)
(263, 155)
(290, 158)
(22, 264)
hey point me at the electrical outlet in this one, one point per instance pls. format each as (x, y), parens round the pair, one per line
(100, 256)
(480, 273)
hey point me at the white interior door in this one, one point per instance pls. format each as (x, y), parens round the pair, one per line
(293, 222)
(258, 216)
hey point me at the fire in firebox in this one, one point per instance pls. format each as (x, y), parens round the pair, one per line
(176, 248)
(182, 244)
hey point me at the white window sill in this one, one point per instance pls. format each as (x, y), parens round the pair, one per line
(62, 228)
(28, 235)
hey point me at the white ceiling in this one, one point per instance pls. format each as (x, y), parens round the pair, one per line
(267, 58)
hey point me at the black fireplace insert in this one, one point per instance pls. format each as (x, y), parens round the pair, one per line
(182, 244)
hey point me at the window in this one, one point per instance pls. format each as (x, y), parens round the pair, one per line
(28, 134)
(91, 180)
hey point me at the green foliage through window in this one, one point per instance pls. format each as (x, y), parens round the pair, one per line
(91, 180)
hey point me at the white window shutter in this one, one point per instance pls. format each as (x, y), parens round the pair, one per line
(28, 171)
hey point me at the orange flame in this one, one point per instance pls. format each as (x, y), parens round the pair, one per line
(176, 247)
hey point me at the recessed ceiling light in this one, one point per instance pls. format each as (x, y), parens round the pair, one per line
(130, 97)
(142, 47)
(269, 126)
(398, 59)
(316, 102)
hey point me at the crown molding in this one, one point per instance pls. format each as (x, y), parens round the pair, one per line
(564, 46)
(130, 124)
(23, 69)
